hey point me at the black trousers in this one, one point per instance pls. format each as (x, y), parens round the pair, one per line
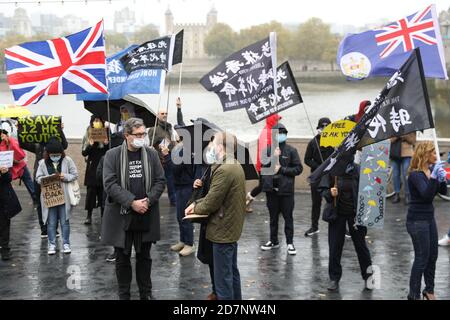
(37, 191)
(5, 225)
(284, 205)
(316, 199)
(258, 189)
(143, 272)
(94, 197)
(336, 240)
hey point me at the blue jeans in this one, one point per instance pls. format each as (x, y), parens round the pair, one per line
(424, 237)
(183, 193)
(55, 214)
(400, 171)
(168, 172)
(226, 273)
(29, 184)
(448, 233)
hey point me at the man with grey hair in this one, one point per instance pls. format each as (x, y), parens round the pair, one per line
(133, 180)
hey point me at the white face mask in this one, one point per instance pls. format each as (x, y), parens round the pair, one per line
(210, 156)
(138, 143)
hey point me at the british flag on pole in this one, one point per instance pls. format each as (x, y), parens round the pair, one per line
(67, 65)
(380, 52)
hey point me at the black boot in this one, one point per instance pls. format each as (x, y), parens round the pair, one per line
(5, 253)
(396, 198)
(88, 220)
(333, 285)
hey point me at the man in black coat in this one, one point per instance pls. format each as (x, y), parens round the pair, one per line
(133, 179)
(278, 181)
(314, 156)
(9, 207)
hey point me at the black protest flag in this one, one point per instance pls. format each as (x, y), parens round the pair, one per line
(246, 75)
(178, 48)
(154, 54)
(287, 96)
(388, 117)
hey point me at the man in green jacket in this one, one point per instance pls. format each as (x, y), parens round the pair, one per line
(225, 206)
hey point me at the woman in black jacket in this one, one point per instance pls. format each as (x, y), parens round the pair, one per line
(93, 151)
(9, 207)
(341, 195)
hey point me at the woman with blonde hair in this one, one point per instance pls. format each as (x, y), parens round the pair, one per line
(426, 178)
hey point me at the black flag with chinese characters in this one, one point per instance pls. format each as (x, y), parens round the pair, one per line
(178, 48)
(245, 76)
(154, 54)
(288, 95)
(402, 107)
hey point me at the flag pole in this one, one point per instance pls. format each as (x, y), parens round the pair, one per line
(109, 120)
(312, 130)
(436, 145)
(179, 80)
(159, 106)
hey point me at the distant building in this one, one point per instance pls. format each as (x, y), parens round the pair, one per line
(125, 21)
(5, 24)
(444, 22)
(194, 34)
(72, 24)
(21, 23)
(49, 24)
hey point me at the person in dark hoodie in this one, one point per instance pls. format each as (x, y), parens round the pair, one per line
(9, 207)
(278, 181)
(341, 195)
(93, 152)
(314, 156)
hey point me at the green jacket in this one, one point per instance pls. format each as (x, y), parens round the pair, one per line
(224, 203)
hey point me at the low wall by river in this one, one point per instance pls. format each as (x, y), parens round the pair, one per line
(301, 185)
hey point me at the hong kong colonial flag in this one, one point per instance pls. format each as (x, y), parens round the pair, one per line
(67, 65)
(382, 51)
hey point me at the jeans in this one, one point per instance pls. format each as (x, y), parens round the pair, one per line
(400, 171)
(29, 184)
(336, 240)
(143, 272)
(168, 172)
(424, 237)
(316, 200)
(227, 279)
(284, 205)
(183, 193)
(55, 214)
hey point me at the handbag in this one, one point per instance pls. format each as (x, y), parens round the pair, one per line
(329, 213)
(74, 192)
(396, 150)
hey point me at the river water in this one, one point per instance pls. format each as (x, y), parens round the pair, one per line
(320, 100)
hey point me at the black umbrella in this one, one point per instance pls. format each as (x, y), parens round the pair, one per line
(142, 110)
(196, 133)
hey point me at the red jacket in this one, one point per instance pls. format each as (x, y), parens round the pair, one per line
(19, 156)
(265, 138)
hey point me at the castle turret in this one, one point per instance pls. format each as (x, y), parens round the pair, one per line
(211, 18)
(169, 21)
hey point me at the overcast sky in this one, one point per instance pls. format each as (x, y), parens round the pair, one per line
(237, 13)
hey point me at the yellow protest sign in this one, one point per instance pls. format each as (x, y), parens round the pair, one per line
(98, 134)
(335, 133)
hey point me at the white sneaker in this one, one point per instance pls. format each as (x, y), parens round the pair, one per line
(66, 248)
(269, 246)
(291, 249)
(51, 249)
(445, 241)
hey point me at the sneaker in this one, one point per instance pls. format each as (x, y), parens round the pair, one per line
(269, 246)
(66, 248)
(177, 247)
(211, 296)
(249, 199)
(396, 198)
(51, 249)
(187, 250)
(347, 234)
(111, 257)
(311, 231)
(445, 241)
(57, 234)
(88, 221)
(44, 235)
(291, 249)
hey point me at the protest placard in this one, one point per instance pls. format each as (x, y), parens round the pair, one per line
(6, 159)
(38, 129)
(52, 191)
(98, 134)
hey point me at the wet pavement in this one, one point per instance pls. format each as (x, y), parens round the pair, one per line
(84, 274)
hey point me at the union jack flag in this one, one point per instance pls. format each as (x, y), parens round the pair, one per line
(417, 27)
(67, 65)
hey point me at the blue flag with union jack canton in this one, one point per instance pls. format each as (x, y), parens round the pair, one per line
(381, 52)
(67, 65)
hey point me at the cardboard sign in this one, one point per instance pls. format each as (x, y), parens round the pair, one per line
(98, 134)
(335, 133)
(6, 159)
(52, 191)
(39, 129)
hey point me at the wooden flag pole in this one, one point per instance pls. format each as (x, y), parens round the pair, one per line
(179, 80)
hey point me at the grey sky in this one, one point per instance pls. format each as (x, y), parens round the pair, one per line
(240, 13)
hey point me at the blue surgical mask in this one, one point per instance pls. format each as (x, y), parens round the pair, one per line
(210, 156)
(282, 137)
(55, 158)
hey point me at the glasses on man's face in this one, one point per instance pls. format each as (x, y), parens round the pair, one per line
(139, 135)
(163, 113)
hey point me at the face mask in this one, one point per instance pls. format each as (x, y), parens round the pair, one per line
(55, 158)
(319, 130)
(138, 143)
(97, 125)
(282, 137)
(210, 156)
